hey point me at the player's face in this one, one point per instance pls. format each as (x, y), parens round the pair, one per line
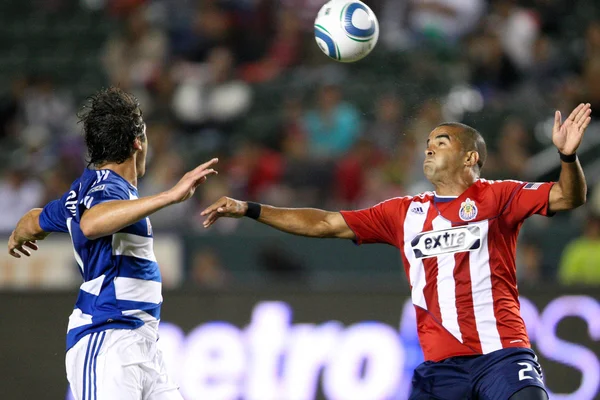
(141, 159)
(443, 155)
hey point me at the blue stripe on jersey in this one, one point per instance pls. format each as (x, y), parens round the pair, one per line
(132, 256)
(139, 268)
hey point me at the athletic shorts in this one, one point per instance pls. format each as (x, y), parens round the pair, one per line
(494, 376)
(118, 364)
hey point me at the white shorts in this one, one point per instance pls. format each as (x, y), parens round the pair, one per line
(118, 364)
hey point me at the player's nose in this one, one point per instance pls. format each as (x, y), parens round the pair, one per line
(428, 152)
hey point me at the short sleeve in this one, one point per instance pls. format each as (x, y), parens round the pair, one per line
(524, 199)
(53, 217)
(377, 224)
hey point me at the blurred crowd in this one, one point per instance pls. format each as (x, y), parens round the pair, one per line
(244, 80)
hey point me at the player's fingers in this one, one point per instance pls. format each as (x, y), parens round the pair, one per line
(206, 165)
(23, 251)
(582, 113)
(13, 253)
(584, 116)
(211, 219)
(575, 112)
(214, 206)
(206, 173)
(31, 245)
(557, 121)
(585, 124)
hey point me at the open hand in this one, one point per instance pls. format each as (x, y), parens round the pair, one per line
(16, 247)
(185, 188)
(567, 135)
(224, 207)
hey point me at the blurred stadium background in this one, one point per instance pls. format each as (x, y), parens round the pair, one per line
(251, 313)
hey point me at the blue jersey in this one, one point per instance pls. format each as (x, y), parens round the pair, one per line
(121, 280)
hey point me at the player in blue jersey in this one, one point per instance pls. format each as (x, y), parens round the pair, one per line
(112, 331)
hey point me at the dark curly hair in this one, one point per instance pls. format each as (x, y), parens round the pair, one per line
(112, 120)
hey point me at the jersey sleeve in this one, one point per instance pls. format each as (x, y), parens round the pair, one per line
(524, 199)
(53, 217)
(376, 224)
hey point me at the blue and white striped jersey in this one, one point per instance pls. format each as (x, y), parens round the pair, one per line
(122, 283)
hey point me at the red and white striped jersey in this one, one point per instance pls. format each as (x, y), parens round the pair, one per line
(459, 257)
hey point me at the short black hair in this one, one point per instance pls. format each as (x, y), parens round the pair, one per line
(112, 120)
(471, 140)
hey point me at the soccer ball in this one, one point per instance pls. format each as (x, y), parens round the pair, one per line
(346, 30)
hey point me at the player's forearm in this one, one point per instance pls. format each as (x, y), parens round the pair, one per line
(309, 222)
(573, 187)
(28, 228)
(112, 216)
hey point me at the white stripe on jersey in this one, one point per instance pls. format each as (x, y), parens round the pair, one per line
(138, 290)
(446, 285)
(413, 225)
(93, 286)
(483, 300)
(127, 244)
(78, 318)
(77, 257)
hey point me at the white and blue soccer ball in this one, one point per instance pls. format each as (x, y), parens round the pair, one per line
(346, 30)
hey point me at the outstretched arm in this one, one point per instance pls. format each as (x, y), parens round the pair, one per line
(110, 217)
(570, 190)
(26, 233)
(309, 222)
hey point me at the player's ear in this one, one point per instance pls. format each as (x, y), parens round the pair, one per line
(472, 158)
(137, 144)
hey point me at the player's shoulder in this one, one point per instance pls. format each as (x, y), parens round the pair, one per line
(504, 185)
(406, 201)
(105, 180)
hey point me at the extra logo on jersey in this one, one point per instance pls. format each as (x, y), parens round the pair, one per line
(447, 241)
(468, 210)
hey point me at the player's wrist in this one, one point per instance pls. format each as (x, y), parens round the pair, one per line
(252, 210)
(568, 158)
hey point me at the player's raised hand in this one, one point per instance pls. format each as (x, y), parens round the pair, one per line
(567, 135)
(224, 207)
(16, 247)
(185, 188)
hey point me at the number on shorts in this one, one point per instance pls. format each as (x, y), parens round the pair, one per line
(527, 367)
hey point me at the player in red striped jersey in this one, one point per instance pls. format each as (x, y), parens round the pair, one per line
(458, 245)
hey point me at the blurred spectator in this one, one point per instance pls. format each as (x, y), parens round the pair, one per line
(283, 52)
(580, 263)
(333, 125)
(210, 28)
(207, 270)
(208, 95)
(18, 195)
(133, 57)
(512, 151)
(387, 129)
(517, 29)
(351, 173)
(491, 70)
(444, 20)
(254, 169)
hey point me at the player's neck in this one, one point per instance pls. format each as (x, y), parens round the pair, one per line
(454, 187)
(126, 169)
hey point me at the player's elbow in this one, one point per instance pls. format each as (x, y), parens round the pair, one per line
(90, 228)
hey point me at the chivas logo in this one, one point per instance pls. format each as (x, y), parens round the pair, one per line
(468, 210)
